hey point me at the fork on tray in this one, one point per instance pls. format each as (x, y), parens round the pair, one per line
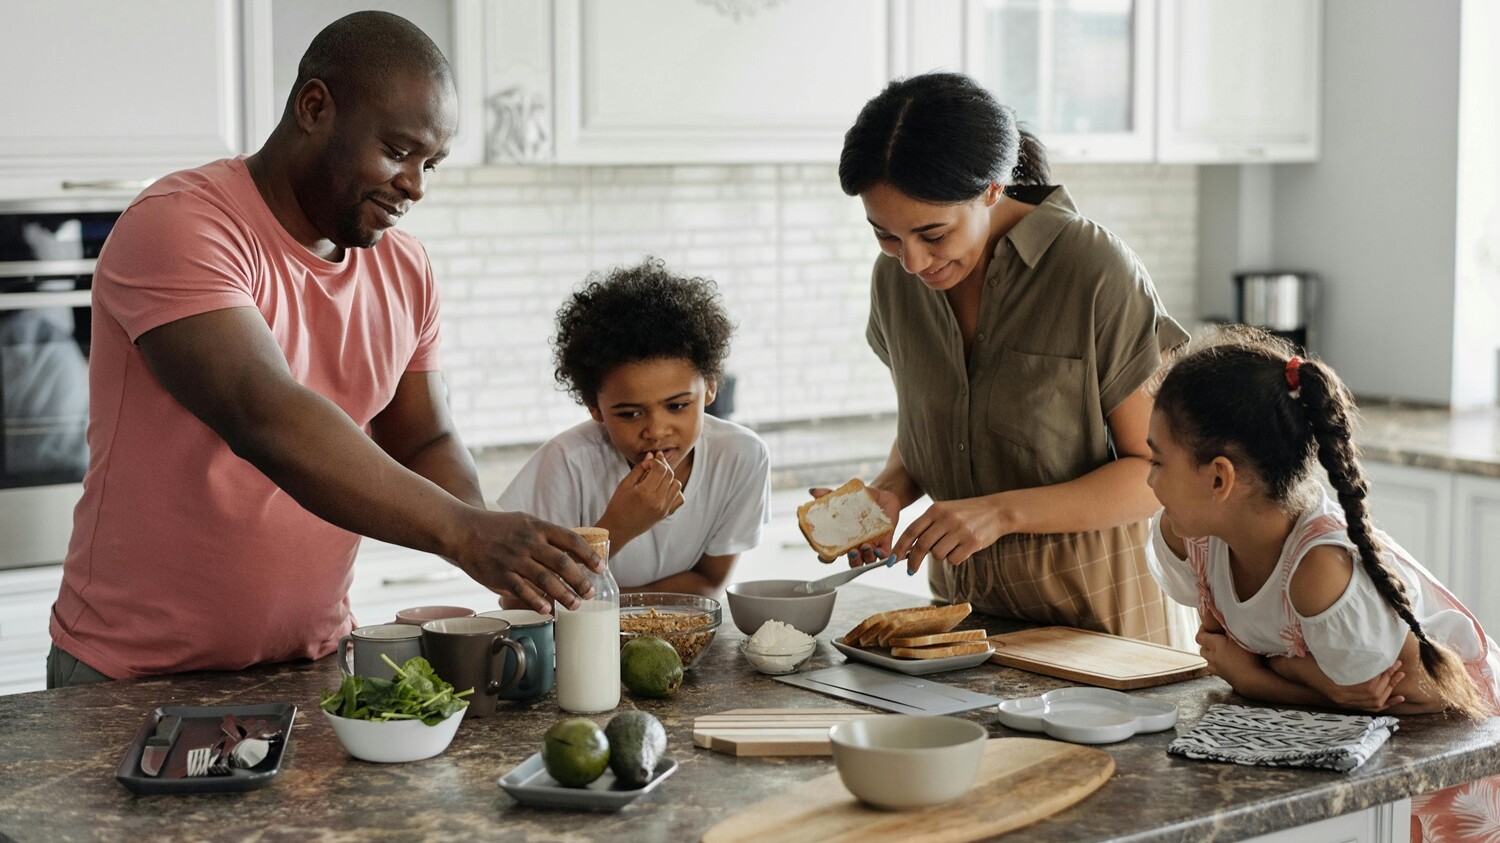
(210, 760)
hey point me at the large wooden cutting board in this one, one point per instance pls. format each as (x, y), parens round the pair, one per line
(771, 731)
(1021, 780)
(1095, 658)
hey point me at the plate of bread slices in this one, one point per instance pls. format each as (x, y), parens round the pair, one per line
(917, 640)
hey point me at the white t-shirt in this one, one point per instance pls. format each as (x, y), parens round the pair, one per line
(1354, 639)
(570, 480)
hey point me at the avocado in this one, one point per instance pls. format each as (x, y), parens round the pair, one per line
(636, 743)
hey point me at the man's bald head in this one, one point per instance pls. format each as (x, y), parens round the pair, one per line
(356, 54)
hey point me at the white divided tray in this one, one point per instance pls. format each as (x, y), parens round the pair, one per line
(1088, 715)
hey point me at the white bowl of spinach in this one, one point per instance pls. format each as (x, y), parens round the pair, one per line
(412, 716)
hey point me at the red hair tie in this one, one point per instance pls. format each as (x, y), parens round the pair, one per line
(1293, 373)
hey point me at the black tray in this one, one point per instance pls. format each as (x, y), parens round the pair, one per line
(200, 727)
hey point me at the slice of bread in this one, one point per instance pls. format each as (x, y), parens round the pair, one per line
(842, 520)
(942, 651)
(939, 638)
(883, 628)
(919, 621)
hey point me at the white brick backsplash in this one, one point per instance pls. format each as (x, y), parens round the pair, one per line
(790, 252)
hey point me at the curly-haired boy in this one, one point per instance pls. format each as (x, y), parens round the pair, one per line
(682, 493)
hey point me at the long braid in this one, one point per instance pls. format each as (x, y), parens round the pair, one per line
(1328, 406)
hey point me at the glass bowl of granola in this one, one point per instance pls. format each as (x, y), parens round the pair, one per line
(688, 622)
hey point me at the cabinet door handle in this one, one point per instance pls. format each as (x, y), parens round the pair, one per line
(435, 576)
(107, 184)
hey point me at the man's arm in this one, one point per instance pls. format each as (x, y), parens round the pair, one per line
(226, 368)
(417, 431)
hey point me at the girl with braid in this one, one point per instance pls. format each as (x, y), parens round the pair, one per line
(1302, 600)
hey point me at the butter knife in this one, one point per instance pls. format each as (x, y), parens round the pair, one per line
(160, 743)
(836, 580)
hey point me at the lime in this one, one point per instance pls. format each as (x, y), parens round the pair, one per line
(575, 751)
(650, 667)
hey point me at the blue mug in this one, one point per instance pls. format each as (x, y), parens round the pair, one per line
(533, 631)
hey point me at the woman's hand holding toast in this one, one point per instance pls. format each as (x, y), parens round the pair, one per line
(649, 493)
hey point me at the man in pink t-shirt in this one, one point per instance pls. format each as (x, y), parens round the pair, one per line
(265, 389)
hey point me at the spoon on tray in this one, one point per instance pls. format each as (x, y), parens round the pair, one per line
(835, 580)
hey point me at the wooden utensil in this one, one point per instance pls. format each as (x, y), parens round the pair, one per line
(1021, 780)
(1095, 658)
(771, 731)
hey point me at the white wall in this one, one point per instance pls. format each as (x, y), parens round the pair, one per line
(1476, 329)
(791, 254)
(1376, 214)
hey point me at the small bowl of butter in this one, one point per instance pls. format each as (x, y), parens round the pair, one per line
(777, 648)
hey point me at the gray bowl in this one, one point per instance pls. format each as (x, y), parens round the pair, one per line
(753, 603)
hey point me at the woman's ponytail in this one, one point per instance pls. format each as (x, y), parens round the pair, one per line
(1031, 162)
(1329, 417)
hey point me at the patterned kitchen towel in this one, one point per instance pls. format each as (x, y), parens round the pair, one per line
(1270, 737)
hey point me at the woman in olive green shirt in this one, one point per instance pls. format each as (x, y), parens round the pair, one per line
(1020, 336)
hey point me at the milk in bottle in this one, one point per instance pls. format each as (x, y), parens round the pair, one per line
(588, 640)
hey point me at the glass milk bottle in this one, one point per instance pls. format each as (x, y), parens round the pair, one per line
(588, 640)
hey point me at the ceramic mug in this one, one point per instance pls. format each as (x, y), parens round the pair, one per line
(534, 631)
(418, 615)
(471, 653)
(398, 640)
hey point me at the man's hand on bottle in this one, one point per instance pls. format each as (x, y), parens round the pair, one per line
(534, 560)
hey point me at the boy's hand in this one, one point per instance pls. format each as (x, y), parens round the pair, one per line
(649, 493)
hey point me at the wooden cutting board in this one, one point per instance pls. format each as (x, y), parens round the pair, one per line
(1095, 658)
(771, 731)
(1021, 780)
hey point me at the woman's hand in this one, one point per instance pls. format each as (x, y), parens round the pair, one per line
(1226, 659)
(881, 547)
(952, 531)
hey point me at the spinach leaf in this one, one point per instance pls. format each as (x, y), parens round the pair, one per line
(415, 693)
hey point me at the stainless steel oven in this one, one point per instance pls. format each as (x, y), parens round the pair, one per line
(47, 254)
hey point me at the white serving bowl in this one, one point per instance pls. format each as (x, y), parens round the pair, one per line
(753, 603)
(395, 740)
(900, 762)
(780, 661)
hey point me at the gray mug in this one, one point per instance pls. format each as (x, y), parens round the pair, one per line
(533, 631)
(471, 653)
(398, 640)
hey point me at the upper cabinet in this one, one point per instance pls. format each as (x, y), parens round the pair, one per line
(1079, 73)
(682, 81)
(277, 33)
(1240, 80)
(102, 97)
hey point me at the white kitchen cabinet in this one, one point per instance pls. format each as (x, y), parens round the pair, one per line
(1476, 523)
(1414, 506)
(26, 597)
(102, 97)
(681, 81)
(277, 33)
(1240, 81)
(1389, 823)
(1081, 74)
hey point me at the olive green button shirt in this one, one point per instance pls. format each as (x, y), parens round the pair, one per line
(1069, 326)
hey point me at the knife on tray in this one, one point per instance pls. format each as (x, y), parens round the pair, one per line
(154, 753)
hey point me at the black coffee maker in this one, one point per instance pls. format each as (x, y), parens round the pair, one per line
(1282, 303)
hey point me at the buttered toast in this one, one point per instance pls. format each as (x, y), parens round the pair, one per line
(842, 520)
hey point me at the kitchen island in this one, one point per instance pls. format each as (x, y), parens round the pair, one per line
(59, 750)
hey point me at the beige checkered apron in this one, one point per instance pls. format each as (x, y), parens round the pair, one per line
(1095, 580)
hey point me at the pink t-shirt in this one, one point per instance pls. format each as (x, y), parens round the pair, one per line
(184, 556)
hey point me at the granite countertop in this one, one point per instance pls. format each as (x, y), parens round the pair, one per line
(1463, 441)
(59, 750)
